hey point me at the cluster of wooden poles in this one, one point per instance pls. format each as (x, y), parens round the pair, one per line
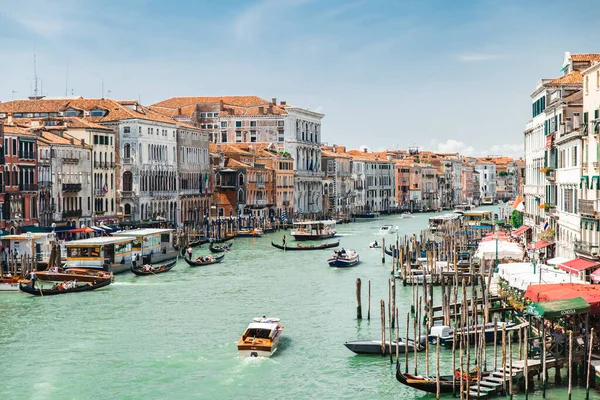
(465, 315)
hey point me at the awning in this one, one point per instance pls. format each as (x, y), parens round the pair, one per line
(34, 229)
(577, 265)
(585, 179)
(558, 308)
(518, 204)
(557, 260)
(82, 230)
(521, 230)
(540, 244)
(595, 276)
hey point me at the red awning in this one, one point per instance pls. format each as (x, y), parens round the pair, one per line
(564, 291)
(595, 276)
(540, 244)
(577, 265)
(82, 230)
(521, 230)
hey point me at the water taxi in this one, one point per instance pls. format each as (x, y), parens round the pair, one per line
(105, 253)
(388, 229)
(261, 338)
(439, 221)
(314, 230)
(9, 283)
(151, 246)
(38, 245)
(344, 258)
(406, 214)
(255, 232)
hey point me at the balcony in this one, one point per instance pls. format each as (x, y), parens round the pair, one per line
(99, 192)
(585, 249)
(44, 161)
(28, 187)
(261, 202)
(27, 155)
(71, 214)
(67, 160)
(71, 187)
(128, 194)
(126, 160)
(45, 184)
(285, 202)
(550, 175)
(260, 185)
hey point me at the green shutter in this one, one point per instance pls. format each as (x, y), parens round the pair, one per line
(596, 114)
(585, 117)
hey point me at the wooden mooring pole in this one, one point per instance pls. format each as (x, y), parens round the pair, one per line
(369, 303)
(358, 300)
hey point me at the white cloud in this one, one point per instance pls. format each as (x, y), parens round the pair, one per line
(456, 146)
(479, 57)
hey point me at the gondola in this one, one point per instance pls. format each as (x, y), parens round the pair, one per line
(220, 248)
(428, 384)
(395, 253)
(81, 287)
(306, 247)
(140, 271)
(216, 260)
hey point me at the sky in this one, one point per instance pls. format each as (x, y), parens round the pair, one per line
(442, 75)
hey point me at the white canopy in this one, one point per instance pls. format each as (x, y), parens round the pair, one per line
(557, 260)
(506, 250)
(521, 275)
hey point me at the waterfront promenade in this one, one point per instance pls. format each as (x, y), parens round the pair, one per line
(174, 335)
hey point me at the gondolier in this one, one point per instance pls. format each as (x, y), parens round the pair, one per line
(190, 251)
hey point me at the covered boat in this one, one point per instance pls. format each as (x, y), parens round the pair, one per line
(141, 270)
(344, 258)
(374, 346)
(384, 230)
(446, 335)
(261, 338)
(106, 253)
(207, 260)
(314, 230)
(64, 287)
(306, 247)
(151, 246)
(256, 232)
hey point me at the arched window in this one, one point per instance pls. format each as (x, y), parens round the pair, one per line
(126, 152)
(240, 196)
(127, 209)
(127, 181)
(240, 179)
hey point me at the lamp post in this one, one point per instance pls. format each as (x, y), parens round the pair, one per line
(496, 237)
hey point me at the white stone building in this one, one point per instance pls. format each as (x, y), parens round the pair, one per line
(487, 180)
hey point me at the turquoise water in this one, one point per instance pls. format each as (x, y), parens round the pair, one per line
(174, 335)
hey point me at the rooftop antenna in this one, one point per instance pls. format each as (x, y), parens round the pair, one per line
(102, 87)
(12, 94)
(109, 92)
(67, 81)
(72, 92)
(35, 77)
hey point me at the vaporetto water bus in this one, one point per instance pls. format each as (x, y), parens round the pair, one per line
(151, 246)
(314, 230)
(112, 254)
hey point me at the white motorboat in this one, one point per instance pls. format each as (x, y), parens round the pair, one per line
(406, 214)
(261, 338)
(388, 229)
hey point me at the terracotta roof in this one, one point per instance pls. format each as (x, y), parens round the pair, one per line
(116, 110)
(16, 130)
(576, 97)
(585, 57)
(232, 105)
(221, 200)
(230, 162)
(571, 78)
(54, 138)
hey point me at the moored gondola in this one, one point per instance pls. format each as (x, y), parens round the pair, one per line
(79, 287)
(392, 252)
(306, 247)
(429, 384)
(141, 270)
(220, 248)
(212, 260)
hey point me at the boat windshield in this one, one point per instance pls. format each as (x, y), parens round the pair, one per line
(258, 333)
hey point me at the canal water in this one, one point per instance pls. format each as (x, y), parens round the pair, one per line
(174, 335)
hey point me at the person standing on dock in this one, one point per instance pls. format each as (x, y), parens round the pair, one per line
(190, 251)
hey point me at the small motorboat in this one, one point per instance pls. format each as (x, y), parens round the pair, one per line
(9, 283)
(429, 383)
(375, 245)
(256, 232)
(374, 346)
(406, 214)
(344, 258)
(306, 246)
(384, 230)
(220, 248)
(206, 260)
(261, 338)
(143, 270)
(446, 334)
(64, 287)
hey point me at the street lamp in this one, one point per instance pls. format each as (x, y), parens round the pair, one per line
(496, 237)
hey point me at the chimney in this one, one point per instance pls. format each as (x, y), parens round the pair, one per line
(83, 142)
(221, 107)
(72, 141)
(261, 110)
(283, 102)
(270, 108)
(333, 148)
(274, 100)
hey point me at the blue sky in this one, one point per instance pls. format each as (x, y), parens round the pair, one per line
(444, 75)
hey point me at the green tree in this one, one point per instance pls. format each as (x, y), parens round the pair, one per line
(516, 219)
(502, 173)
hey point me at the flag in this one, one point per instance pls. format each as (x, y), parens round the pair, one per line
(546, 225)
(200, 182)
(105, 188)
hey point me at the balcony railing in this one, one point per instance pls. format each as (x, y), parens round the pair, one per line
(127, 194)
(99, 192)
(45, 184)
(585, 249)
(126, 160)
(71, 214)
(68, 160)
(261, 202)
(27, 155)
(286, 202)
(260, 185)
(71, 187)
(28, 187)
(551, 176)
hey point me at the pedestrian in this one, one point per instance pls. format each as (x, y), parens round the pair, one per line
(190, 251)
